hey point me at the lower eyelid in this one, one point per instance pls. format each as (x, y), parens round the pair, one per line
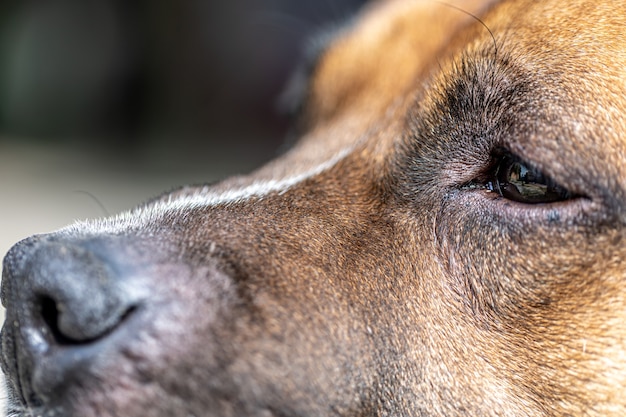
(483, 200)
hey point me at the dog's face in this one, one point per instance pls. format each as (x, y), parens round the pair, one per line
(447, 238)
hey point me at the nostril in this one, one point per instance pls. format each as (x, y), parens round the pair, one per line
(51, 313)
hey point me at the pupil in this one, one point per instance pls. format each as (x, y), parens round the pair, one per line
(520, 182)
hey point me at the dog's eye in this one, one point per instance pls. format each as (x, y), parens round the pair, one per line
(518, 181)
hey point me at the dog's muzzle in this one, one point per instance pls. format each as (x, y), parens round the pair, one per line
(66, 301)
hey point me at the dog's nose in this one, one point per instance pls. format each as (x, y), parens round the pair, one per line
(72, 291)
(62, 300)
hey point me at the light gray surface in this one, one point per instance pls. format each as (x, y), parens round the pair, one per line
(39, 188)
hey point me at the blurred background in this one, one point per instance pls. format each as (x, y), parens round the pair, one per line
(124, 99)
(121, 100)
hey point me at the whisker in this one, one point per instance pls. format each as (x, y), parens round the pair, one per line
(473, 16)
(95, 200)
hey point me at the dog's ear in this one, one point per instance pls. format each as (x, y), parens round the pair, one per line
(369, 65)
(295, 93)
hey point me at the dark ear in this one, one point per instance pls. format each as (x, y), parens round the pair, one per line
(295, 93)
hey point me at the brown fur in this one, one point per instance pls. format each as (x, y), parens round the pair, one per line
(385, 285)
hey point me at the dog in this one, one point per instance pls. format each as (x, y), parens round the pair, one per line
(445, 239)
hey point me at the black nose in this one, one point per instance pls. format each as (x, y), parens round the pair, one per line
(61, 300)
(73, 291)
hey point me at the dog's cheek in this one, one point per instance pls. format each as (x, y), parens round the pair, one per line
(544, 296)
(513, 266)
